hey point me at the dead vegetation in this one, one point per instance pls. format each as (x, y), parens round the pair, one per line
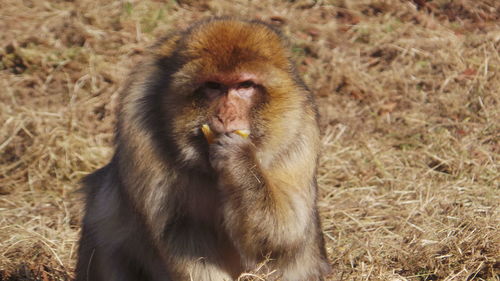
(410, 103)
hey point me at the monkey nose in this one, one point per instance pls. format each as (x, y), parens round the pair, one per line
(217, 124)
(219, 119)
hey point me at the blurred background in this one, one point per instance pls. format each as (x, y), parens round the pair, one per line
(409, 94)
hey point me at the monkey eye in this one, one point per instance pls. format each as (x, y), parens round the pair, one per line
(246, 84)
(213, 89)
(213, 85)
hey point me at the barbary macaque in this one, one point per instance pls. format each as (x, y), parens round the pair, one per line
(214, 170)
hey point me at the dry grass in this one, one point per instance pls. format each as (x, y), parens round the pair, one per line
(410, 99)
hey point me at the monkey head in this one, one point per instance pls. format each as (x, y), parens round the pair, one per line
(231, 75)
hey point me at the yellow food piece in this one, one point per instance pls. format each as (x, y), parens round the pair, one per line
(207, 132)
(242, 133)
(210, 136)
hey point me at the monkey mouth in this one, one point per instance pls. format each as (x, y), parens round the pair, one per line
(211, 135)
(219, 126)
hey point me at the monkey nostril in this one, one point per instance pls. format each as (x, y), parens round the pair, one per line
(220, 119)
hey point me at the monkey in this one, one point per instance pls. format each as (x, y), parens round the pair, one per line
(186, 195)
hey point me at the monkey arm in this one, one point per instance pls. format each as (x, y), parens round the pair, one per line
(267, 210)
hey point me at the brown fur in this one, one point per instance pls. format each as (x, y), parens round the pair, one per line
(171, 207)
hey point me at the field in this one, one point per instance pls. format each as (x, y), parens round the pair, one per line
(409, 96)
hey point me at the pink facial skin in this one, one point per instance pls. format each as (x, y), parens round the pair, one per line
(233, 95)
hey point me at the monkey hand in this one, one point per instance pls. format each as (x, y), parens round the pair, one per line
(229, 151)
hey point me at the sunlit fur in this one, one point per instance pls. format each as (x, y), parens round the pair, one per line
(160, 211)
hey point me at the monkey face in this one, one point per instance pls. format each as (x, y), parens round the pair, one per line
(255, 98)
(231, 99)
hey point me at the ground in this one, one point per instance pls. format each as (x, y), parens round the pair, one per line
(409, 96)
